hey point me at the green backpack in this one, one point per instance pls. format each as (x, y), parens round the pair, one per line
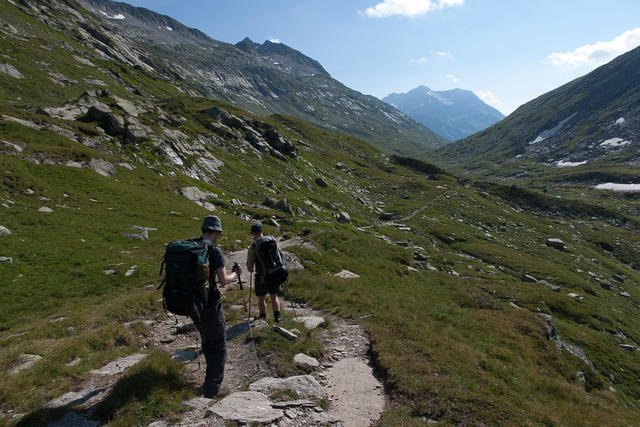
(187, 277)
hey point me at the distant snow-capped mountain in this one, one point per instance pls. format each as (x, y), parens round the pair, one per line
(452, 114)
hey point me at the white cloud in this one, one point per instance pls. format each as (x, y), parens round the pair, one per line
(409, 8)
(488, 98)
(598, 53)
(444, 54)
(418, 61)
(275, 40)
(452, 78)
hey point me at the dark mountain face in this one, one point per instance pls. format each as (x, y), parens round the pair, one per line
(593, 119)
(263, 78)
(452, 114)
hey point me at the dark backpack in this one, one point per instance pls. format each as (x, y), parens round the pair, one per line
(271, 263)
(187, 277)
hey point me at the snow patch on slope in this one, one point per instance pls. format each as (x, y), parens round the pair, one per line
(618, 187)
(614, 142)
(550, 132)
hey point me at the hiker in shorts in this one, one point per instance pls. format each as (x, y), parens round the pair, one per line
(259, 281)
(211, 322)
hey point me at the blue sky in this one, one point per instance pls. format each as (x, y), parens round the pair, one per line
(507, 52)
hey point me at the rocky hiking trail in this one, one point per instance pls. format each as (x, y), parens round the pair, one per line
(341, 390)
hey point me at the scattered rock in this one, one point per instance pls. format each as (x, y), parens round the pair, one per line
(528, 278)
(321, 182)
(247, 407)
(412, 269)
(102, 167)
(619, 277)
(4, 231)
(185, 356)
(346, 274)
(141, 236)
(627, 346)
(304, 360)
(6, 259)
(120, 365)
(285, 332)
(556, 243)
(339, 165)
(386, 216)
(45, 209)
(24, 362)
(109, 272)
(625, 294)
(198, 402)
(551, 286)
(343, 218)
(305, 386)
(310, 322)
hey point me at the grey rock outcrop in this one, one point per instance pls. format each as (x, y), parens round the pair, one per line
(135, 132)
(200, 197)
(24, 362)
(10, 70)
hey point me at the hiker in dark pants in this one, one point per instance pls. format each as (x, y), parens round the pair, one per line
(211, 322)
(261, 287)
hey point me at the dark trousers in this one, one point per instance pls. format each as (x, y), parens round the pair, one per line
(212, 329)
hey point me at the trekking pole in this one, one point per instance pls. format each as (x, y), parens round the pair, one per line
(253, 341)
(286, 288)
(244, 301)
(250, 286)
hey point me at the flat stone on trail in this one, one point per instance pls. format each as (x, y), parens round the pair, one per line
(357, 395)
(304, 360)
(247, 407)
(310, 322)
(120, 365)
(185, 356)
(346, 274)
(305, 386)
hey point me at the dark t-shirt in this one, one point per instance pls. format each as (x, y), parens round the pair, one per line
(216, 258)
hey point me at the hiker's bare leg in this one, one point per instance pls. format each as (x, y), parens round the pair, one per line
(275, 303)
(262, 304)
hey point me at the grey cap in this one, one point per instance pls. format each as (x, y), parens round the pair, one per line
(212, 223)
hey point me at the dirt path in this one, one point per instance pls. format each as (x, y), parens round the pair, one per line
(346, 377)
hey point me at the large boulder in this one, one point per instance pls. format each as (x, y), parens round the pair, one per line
(102, 167)
(556, 243)
(113, 124)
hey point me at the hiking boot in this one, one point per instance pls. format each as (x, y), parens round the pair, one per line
(276, 317)
(214, 392)
(262, 316)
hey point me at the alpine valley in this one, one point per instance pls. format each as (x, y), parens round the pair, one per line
(485, 281)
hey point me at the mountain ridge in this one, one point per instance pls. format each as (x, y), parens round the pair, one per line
(453, 114)
(590, 120)
(268, 78)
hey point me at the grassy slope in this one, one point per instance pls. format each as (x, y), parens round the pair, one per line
(449, 347)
